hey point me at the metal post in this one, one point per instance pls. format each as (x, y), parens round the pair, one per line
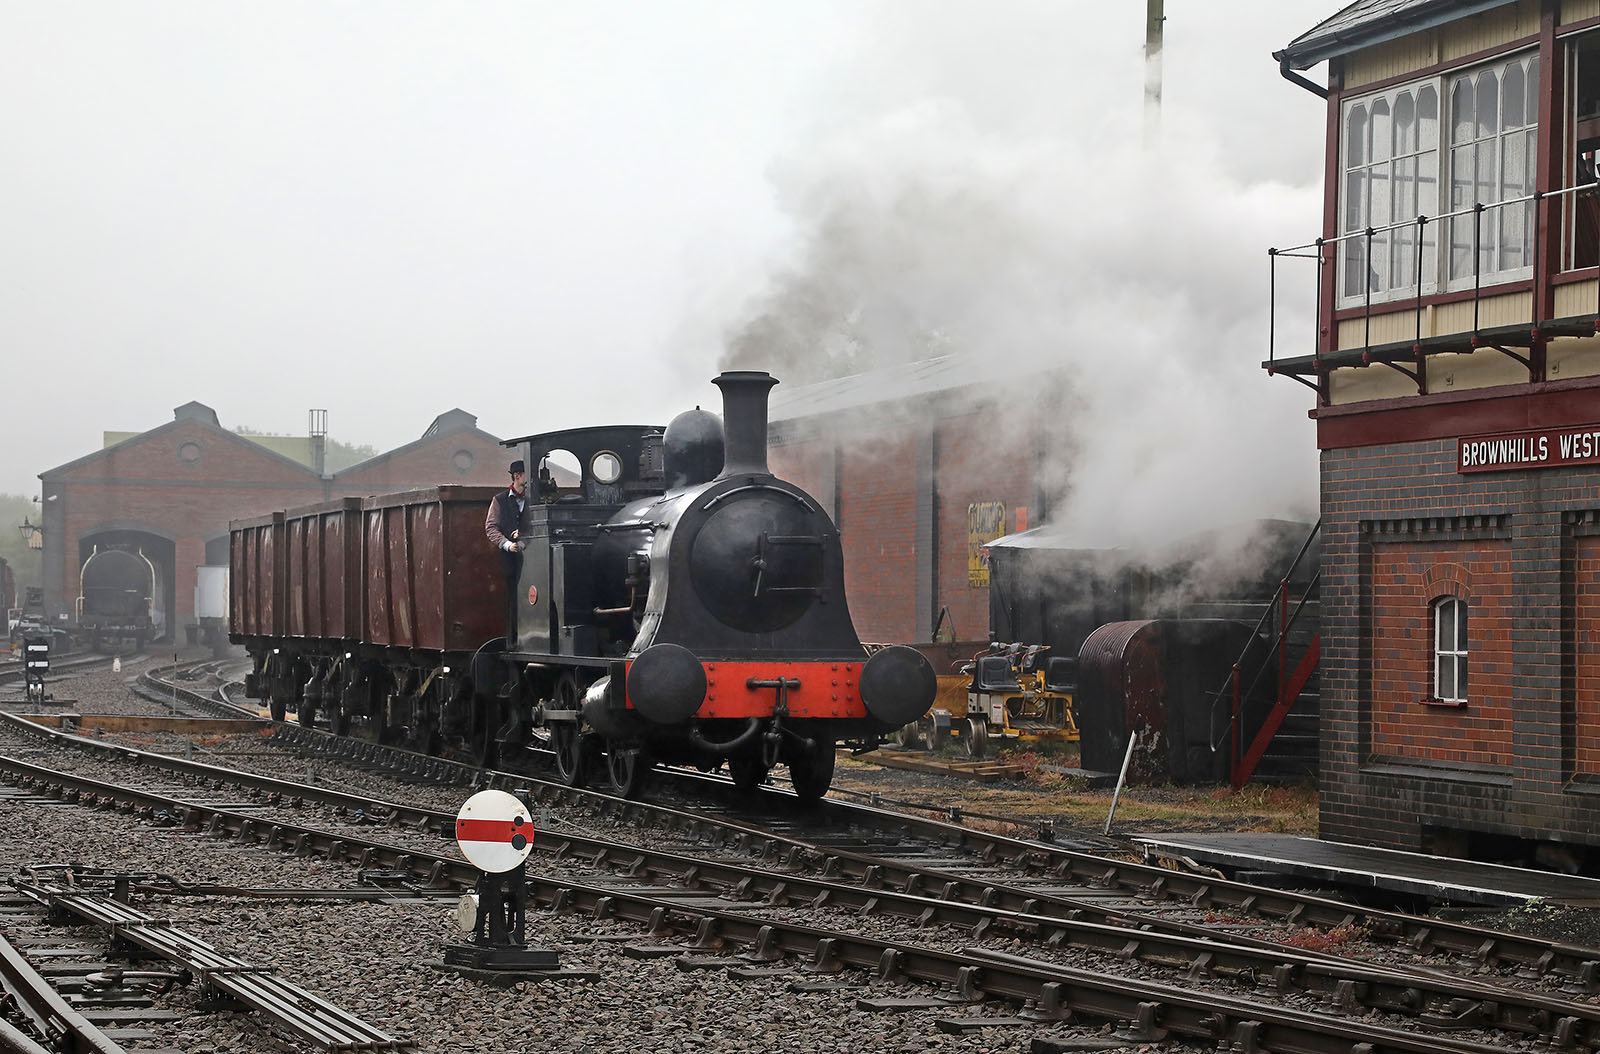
(1133, 737)
(1316, 346)
(1477, 266)
(1422, 230)
(1272, 307)
(1367, 282)
(1233, 732)
(1283, 639)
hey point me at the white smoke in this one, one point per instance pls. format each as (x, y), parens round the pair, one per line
(1137, 271)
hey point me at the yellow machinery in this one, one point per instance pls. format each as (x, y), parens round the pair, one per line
(1011, 691)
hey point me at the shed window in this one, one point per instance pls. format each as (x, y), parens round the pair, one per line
(1450, 650)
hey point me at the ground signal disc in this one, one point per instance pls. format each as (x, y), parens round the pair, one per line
(494, 831)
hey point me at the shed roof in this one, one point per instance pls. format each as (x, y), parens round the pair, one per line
(888, 384)
(1368, 22)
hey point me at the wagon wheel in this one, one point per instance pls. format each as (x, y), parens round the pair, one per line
(812, 770)
(626, 766)
(975, 744)
(478, 747)
(277, 706)
(565, 736)
(747, 771)
(307, 713)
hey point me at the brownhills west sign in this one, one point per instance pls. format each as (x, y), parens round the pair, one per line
(1536, 448)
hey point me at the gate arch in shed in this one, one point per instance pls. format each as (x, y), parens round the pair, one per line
(158, 547)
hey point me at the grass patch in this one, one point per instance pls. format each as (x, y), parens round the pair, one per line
(1045, 791)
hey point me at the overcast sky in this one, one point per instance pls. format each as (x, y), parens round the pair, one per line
(553, 215)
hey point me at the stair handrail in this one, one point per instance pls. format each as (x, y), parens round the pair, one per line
(1277, 644)
(1223, 691)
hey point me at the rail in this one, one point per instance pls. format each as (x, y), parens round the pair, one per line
(1476, 211)
(66, 1031)
(1058, 991)
(256, 987)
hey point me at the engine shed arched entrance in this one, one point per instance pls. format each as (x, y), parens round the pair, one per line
(160, 552)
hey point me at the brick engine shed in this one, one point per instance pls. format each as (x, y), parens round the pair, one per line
(170, 492)
(1456, 374)
(918, 465)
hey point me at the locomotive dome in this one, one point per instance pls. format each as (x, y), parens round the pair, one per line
(692, 448)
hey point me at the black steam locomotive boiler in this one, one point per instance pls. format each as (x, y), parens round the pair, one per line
(684, 604)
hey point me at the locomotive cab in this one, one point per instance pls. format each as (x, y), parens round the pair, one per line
(571, 600)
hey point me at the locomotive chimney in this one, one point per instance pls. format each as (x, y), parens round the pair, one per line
(744, 421)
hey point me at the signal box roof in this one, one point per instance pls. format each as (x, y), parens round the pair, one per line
(1368, 22)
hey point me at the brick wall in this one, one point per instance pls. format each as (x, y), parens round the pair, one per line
(1409, 577)
(1401, 527)
(904, 485)
(466, 457)
(1586, 640)
(183, 482)
(977, 464)
(877, 524)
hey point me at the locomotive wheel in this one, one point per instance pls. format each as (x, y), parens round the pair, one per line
(748, 773)
(812, 771)
(627, 767)
(569, 753)
(565, 737)
(975, 744)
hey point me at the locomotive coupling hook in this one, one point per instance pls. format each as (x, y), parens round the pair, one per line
(722, 750)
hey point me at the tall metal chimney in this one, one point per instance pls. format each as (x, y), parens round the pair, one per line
(744, 422)
(1155, 14)
(317, 427)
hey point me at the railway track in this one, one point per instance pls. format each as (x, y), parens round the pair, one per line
(193, 687)
(1049, 992)
(824, 831)
(1006, 871)
(68, 994)
(11, 671)
(1455, 1002)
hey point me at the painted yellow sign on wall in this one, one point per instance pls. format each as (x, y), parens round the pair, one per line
(986, 521)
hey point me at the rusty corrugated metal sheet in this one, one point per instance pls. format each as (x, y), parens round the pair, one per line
(324, 543)
(431, 578)
(258, 574)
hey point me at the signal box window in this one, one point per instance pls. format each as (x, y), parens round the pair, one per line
(1427, 148)
(1450, 650)
(1581, 216)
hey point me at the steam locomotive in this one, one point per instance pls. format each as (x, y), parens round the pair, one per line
(116, 605)
(679, 603)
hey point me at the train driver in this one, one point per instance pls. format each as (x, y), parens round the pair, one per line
(503, 526)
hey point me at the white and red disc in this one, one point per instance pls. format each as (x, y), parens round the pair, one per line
(494, 831)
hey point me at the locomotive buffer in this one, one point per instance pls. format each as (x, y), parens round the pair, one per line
(495, 832)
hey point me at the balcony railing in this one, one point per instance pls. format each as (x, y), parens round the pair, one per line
(1390, 354)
